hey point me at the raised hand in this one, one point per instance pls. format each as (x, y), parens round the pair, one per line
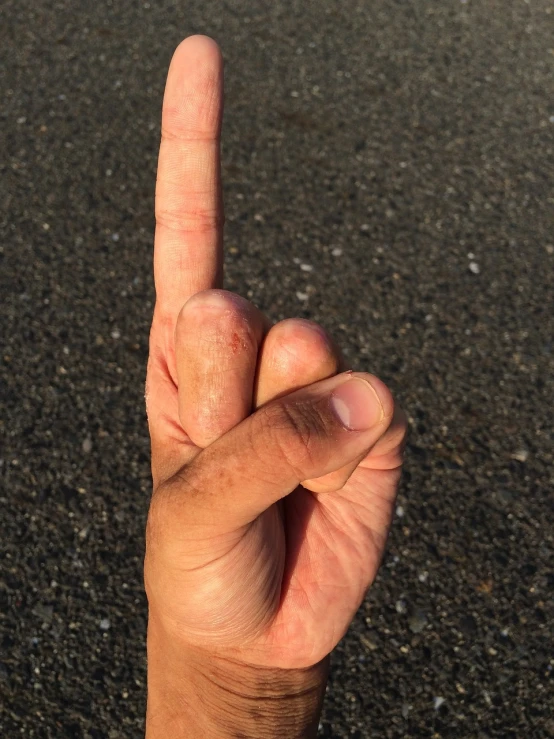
(274, 477)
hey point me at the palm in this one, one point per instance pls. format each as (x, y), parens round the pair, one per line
(289, 583)
(335, 542)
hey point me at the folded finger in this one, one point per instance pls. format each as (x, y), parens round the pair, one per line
(295, 353)
(304, 435)
(387, 454)
(217, 339)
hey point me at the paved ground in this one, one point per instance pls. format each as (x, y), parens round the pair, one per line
(404, 150)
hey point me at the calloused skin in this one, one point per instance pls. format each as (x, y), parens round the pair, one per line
(268, 519)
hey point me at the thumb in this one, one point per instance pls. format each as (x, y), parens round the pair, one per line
(300, 436)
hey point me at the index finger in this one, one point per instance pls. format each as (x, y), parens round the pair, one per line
(189, 211)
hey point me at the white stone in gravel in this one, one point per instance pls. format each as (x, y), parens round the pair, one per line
(474, 267)
(399, 511)
(306, 268)
(87, 445)
(105, 624)
(437, 702)
(302, 296)
(116, 334)
(521, 455)
(400, 606)
(337, 251)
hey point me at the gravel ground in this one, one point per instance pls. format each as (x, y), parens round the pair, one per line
(404, 152)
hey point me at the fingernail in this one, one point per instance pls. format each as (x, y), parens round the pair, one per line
(357, 405)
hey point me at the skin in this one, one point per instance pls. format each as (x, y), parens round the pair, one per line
(269, 517)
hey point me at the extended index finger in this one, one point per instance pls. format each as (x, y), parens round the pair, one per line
(189, 210)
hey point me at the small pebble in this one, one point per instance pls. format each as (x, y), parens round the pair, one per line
(87, 445)
(437, 702)
(302, 296)
(400, 606)
(336, 252)
(474, 267)
(400, 511)
(105, 624)
(417, 622)
(306, 268)
(521, 455)
(116, 334)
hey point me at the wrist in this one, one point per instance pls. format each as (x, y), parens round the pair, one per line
(196, 694)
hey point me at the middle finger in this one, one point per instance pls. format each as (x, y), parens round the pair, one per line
(217, 339)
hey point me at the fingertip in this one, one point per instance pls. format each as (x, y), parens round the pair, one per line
(193, 97)
(295, 346)
(199, 45)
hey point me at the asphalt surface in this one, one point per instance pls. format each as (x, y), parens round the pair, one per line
(404, 151)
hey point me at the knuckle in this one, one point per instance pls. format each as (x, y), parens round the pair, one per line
(220, 320)
(172, 130)
(388, 453)
(302, 345)
(398, 430)
(190, 220)
(294, 432)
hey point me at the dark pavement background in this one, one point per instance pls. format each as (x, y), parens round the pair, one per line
(404, 152)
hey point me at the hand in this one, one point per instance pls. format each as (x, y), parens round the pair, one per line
(267, 527)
